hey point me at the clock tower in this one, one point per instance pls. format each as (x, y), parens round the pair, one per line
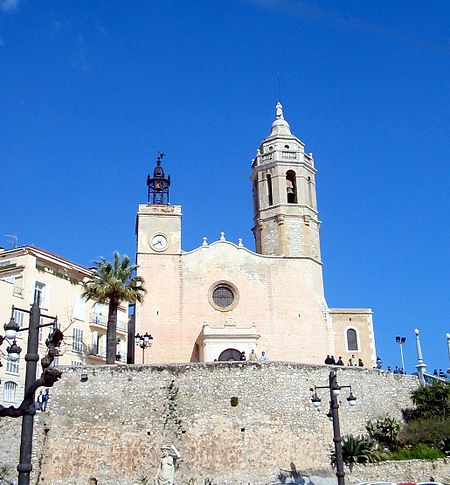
(158, 224)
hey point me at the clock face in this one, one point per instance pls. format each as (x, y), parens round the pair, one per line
(159, 242)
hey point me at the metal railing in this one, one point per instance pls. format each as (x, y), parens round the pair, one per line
(102, 321)
(99, 351)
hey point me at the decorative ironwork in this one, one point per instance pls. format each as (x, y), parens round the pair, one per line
(158, 185)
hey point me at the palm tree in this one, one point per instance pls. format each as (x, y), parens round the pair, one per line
(114, 282)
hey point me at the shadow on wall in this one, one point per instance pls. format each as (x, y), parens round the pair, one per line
(295, 476)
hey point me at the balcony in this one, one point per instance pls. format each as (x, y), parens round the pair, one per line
(102, 321)
(99, 352)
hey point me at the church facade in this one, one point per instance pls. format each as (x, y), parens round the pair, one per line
(222, 299)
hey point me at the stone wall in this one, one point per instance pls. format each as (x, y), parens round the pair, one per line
(401, 471)
(10, 429)
(112, 425)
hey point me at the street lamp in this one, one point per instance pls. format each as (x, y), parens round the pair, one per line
(14, 352)
(448, 347)
(333, 414)
(401, 341)
(144, 342)
(11, 329)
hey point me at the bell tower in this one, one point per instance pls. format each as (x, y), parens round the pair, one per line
(284, 195)
(158, 224)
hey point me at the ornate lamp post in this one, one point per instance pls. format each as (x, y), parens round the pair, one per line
(421, 366)
(144, 342)
(448, 348)
(401, 341)
(333, 414)
(11, 329)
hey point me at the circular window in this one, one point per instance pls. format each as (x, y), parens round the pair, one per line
(223, 296)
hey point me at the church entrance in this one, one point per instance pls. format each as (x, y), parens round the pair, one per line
(229, 354)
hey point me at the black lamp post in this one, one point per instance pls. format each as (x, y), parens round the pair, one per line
(144, 342)
(26, 439)
(401, 341)
(333, 414)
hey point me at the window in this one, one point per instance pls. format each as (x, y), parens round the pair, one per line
(79, 308)
(55, 362)
(19, 318)
(77, 342)
(291, 187)
(9, 391)
(8, 262)
(12, 367)
(352, 339)
(269, 189)
(39, 290)
(310, 196)
(223, 296)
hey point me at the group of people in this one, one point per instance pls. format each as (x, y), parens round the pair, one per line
(330, 360)
(41, 402)
(441, 373)
(253, 357)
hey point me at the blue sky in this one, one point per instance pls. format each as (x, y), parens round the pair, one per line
(91, 91)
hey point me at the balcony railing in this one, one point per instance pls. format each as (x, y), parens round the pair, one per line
(99, 351)
(102, 321)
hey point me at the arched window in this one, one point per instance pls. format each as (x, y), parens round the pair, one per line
(255, 195)
(269, 189)
(352, 340)
(9, 391)
(310, 197)
(291, 187)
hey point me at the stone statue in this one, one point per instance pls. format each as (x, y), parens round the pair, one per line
(166, 470)
(279, 109)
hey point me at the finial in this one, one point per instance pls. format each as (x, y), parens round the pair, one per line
(205, 241)
(222, 236)
(279, 110)
(240, 242)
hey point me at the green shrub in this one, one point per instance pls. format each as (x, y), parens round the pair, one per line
(386, 431)
(431, 431)
(419, 452)
(357, 449)
(445, 445)
(432, 400)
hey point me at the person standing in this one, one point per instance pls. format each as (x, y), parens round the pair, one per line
(45, 398)
(263, 357)
(253, 357)
(340, 361)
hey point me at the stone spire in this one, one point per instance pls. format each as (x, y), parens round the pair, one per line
(280, 126)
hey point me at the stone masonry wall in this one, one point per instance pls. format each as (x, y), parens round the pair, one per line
(112, 425)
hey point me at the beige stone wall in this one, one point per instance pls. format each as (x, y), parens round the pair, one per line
(360, 320)
(401, 471)
(282, 296)
(113, 425)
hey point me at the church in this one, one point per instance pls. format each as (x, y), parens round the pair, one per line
(222, 299)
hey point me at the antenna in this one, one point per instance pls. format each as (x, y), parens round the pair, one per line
(12, 239)
(279, 87)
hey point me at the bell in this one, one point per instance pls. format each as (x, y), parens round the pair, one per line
(290, 190)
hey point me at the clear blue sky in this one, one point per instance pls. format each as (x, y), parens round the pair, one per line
(91, 90)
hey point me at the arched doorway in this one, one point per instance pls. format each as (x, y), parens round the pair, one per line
(229, 354)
